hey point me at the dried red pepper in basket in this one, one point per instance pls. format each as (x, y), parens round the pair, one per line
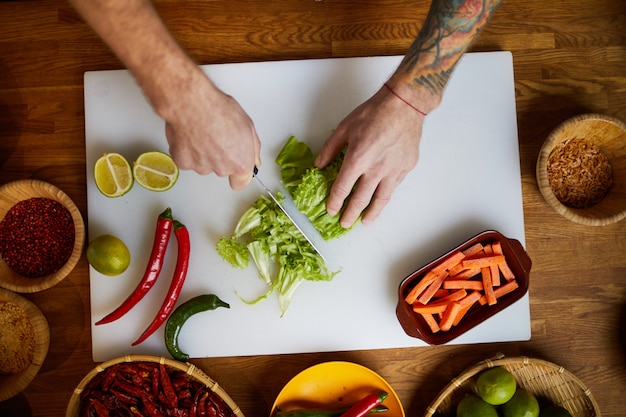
(155, 264)
(150, 389)
(180, 273)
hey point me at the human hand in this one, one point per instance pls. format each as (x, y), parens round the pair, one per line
(382, 137)
(209, 132)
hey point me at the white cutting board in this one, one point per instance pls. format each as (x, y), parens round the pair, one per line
(467, 180)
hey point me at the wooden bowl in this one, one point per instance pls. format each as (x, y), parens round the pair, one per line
(609, 134)
(549, 382)
(16, 191)
(73, 408)
(11, 385)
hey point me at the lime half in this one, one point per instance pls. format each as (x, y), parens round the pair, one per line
(113, 175)
(155, 171)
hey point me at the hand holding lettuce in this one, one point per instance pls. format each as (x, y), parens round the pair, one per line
(283, 257)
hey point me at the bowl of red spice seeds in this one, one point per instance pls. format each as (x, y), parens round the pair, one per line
(42, 235)
(581, 169)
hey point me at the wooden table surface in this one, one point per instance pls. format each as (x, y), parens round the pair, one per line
(569, 57)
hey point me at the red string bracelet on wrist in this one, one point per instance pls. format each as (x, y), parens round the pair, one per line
(405, 102)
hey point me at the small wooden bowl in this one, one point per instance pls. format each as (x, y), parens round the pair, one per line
(609, 134)
(11, 385)
(16, 191)
(73, 408)
(549, 382)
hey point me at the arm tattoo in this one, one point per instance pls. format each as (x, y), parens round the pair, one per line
(448, 30)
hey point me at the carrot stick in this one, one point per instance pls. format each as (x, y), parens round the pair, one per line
(431, 321)
(440, 293)
(488, 286)
(466, 273)
(449, 316)
(470, 298)
(464, 309)
(501, 290)
(449, 262)
(428, 278)
(473, 250)
(495, 271)
(456, 269)
(453, 284)
(430, 308)
(440, 305)
(504, 267)
(483, 262)
(433, 287)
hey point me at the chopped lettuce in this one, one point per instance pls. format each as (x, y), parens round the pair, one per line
(310, 186)
(233, 252)
(294, 160)
(283, 257)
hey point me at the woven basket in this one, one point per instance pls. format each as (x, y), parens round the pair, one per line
(543, 379)
(73, 408)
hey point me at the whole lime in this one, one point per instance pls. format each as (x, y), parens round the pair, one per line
(554, 410)
(523, 404)
(473, 406)
(496, 385)
(108, 255)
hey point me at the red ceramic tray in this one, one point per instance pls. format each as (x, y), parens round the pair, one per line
(415, 325)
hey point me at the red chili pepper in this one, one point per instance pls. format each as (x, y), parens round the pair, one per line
(155, 264)
(180, 273)
(365, 404)
(168, 388)
(99, 407)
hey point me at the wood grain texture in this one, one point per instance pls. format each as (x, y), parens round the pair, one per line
(569, 58)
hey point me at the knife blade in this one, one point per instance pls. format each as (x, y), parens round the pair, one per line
(284, 210)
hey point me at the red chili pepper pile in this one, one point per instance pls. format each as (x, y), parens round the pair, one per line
(37, 237)
(149, 389)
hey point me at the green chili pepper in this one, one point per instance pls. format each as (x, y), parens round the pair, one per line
(178, 318)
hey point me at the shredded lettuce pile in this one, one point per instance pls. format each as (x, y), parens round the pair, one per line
(282, 256)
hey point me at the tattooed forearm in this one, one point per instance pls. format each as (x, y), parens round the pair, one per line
(448, 30)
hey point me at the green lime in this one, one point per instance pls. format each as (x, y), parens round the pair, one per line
(108, 255)
(554, 410)
(496, 385)
(523, 404)
(113, 175)
(155, 171)
(474, 406)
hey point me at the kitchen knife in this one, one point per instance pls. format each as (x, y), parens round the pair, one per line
(284, 210)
